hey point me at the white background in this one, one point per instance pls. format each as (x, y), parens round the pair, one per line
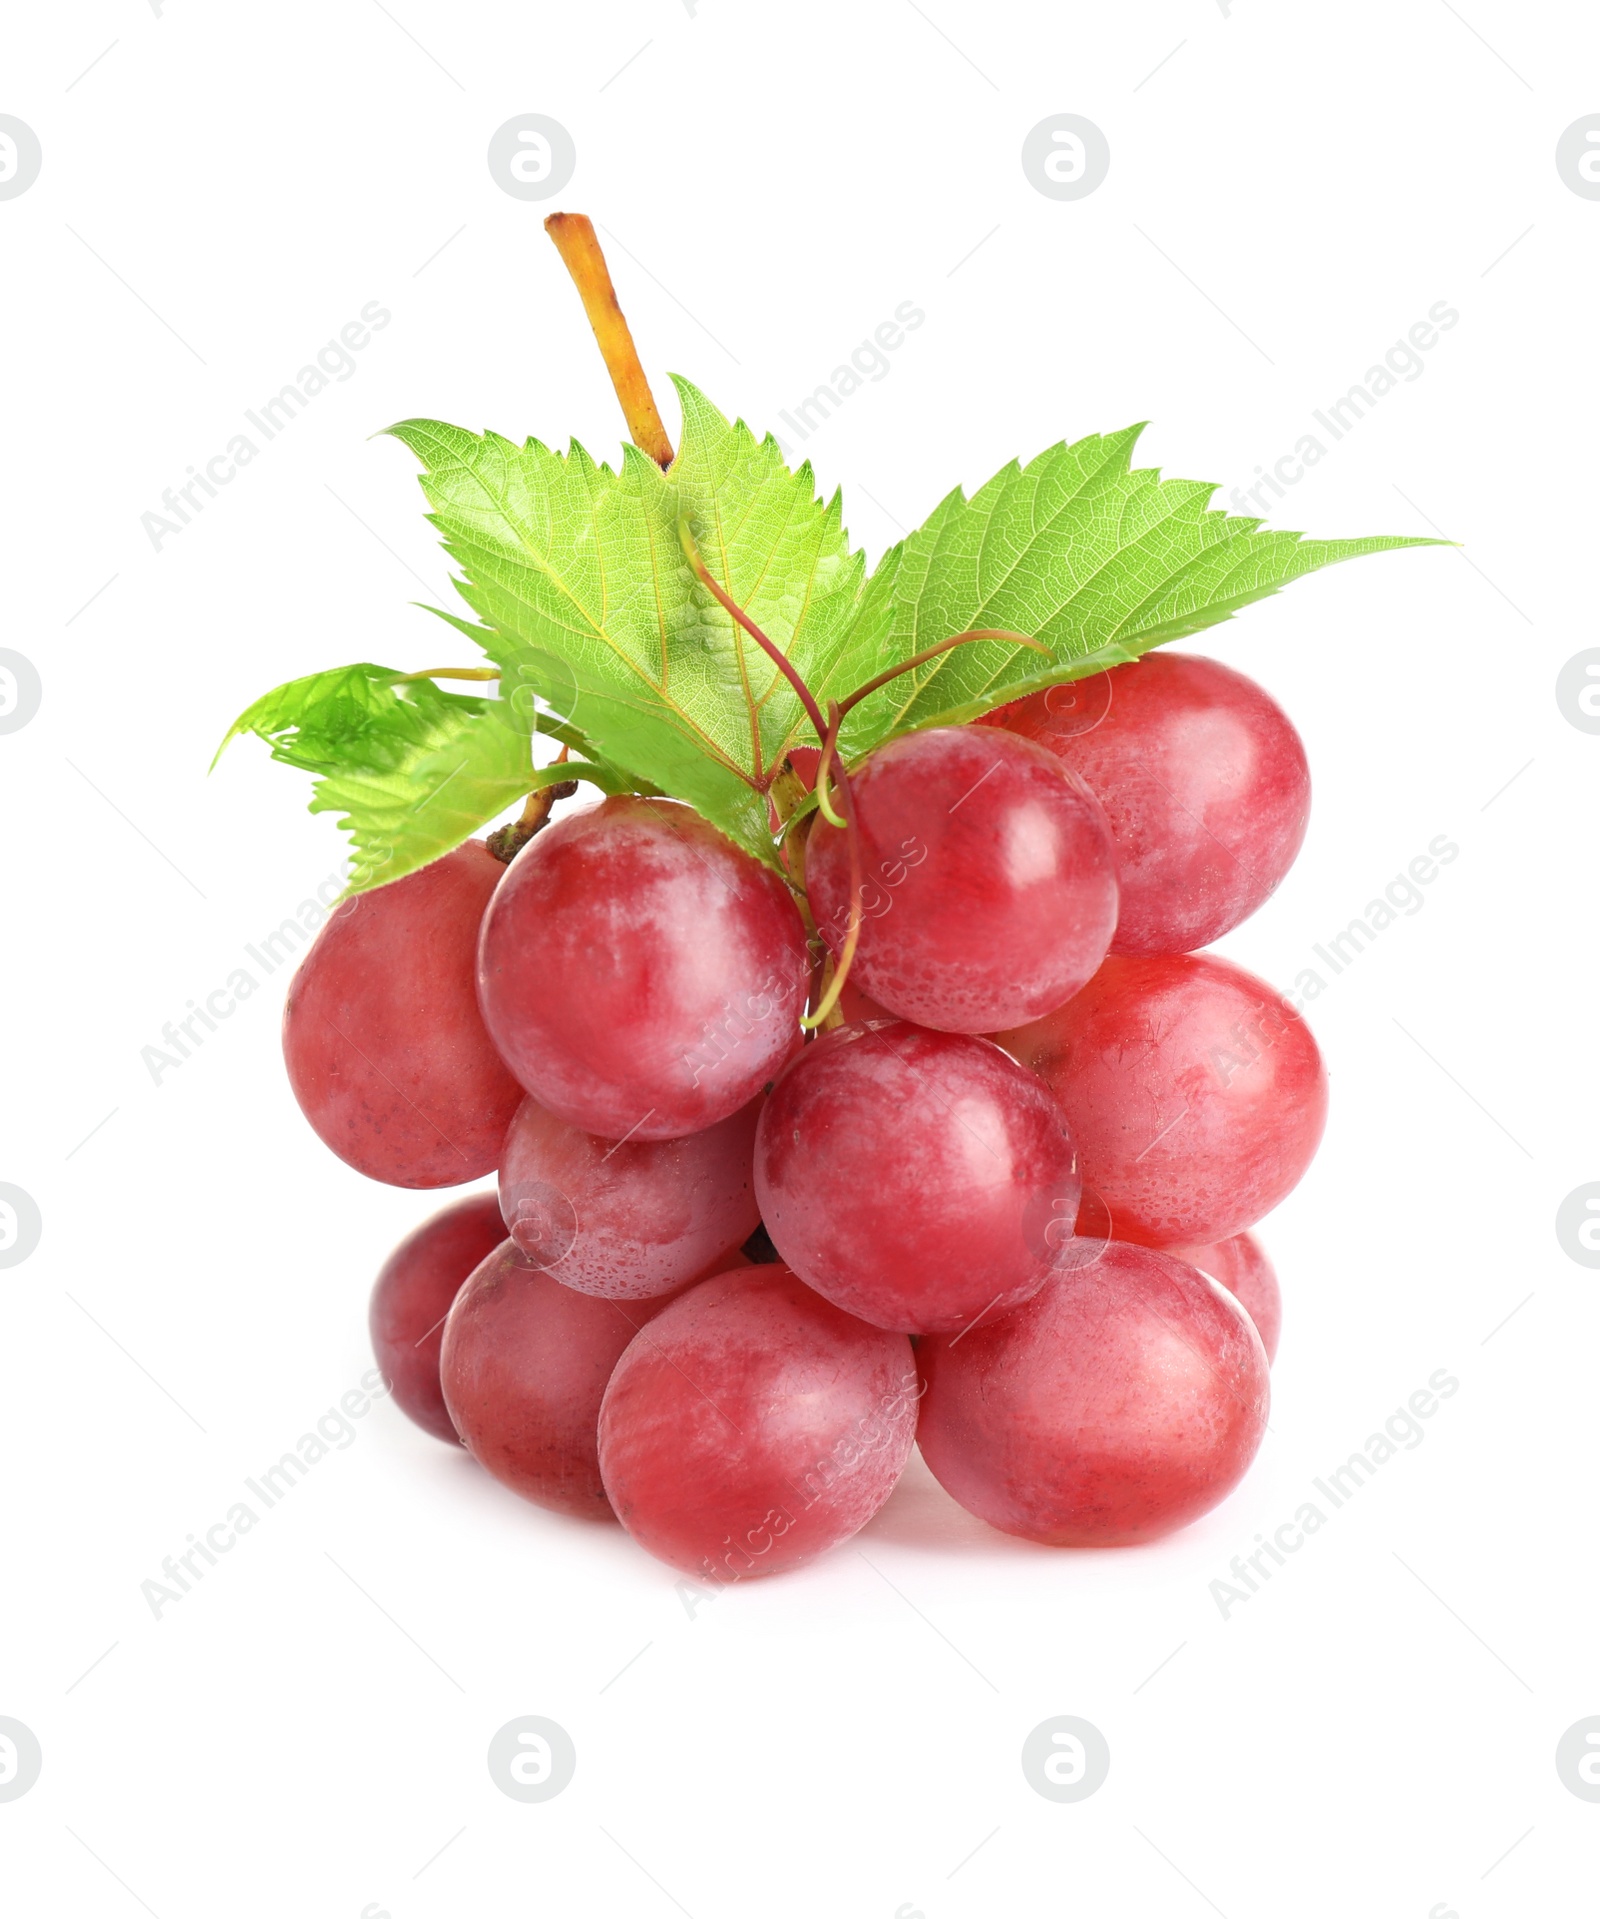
(1375, 1730)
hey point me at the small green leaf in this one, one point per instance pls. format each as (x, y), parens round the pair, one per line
(1099, 560)
(415, 771)
(364, 716)
(467, 769)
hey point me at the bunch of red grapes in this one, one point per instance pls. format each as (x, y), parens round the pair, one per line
(998, 1208)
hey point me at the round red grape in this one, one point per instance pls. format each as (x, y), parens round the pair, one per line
(1203, 779)
(642, 976)
(412, 1295)
(752, 1426)
(386, 1050)
(1122, 1401)
(1241, 1264)
(524, 1369)
(989, 888)
(919, 1180)
(632, 1219)
(1195, 1093)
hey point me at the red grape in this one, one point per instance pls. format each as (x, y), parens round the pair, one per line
(1195, 1093)
(1119, 1403)
(642, 976)
(524, 1369)
(386, 1050)
(988, 880)
(752, 1426)
(1241, 1264)
(919, 1180)
(412, 1295)
(631, 1219)
(1203, 779)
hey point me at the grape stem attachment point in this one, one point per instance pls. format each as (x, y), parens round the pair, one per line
(837, 709)
(508, 841)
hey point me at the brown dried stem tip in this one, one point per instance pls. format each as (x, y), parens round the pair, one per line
(506, 842)
(580, 252)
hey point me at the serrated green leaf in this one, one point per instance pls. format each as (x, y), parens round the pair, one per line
(604, 638)
(585, 599)
(574, 572)
(414, 770)
(362, 715)
(1098, 560)
(457, 775)
(778, 551)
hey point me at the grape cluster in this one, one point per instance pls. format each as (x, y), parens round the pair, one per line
(996, 1204)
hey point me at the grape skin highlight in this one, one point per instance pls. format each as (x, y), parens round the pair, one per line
(989, 879)
(641, 976)
(1203, 779)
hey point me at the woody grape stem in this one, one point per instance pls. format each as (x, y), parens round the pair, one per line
(580, 252)
(508, 841)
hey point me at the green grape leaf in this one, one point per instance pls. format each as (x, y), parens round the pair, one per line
(586, 601)
(348, 715)
(604, 638)
(778, 551)
(413, 770)
(1099, 560)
